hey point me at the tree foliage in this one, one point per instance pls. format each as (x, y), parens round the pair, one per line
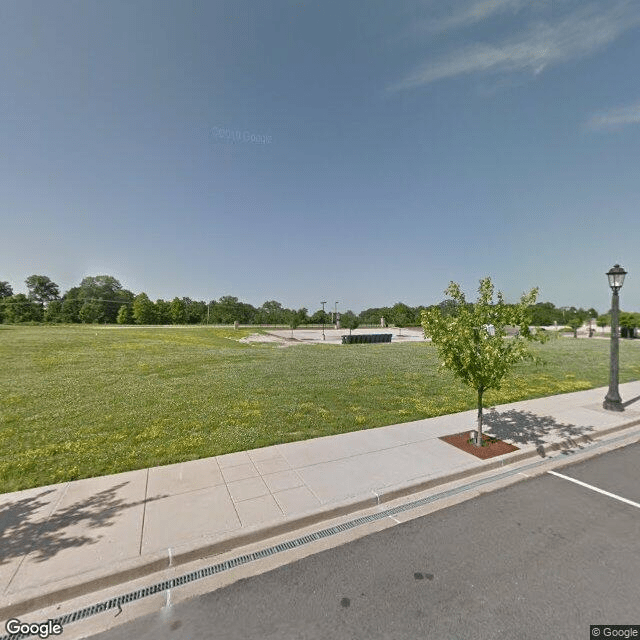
(295, 318)
(575, 323)
(163, 312)
(19, 308)
(53, 312)
(472, 342)
(92, 311)
(42, 289)
(349, 320)
(5, 289)
(144, 311)
(125, 314)
(178, 311)
(629, 322)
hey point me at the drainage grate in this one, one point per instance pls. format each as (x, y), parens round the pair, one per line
(133, 596)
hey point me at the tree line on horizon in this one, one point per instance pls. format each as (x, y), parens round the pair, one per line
(102, 299)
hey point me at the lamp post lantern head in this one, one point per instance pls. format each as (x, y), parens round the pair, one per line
(616, 277)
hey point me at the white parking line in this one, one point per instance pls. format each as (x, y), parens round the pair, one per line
(602, 491)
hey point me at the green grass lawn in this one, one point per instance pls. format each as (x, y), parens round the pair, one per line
(81, 401)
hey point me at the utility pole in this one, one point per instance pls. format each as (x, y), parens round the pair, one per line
(323, 303)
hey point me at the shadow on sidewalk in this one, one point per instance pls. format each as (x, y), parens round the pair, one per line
(524, 427)
(20, 534)
(628, 402)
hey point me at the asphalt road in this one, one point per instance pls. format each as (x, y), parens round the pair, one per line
(543, 558)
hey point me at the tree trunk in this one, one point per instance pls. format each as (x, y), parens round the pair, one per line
(478, 441)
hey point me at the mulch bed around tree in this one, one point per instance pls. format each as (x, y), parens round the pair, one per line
(492, 446)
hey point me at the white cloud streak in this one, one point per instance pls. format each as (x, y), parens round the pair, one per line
(616, 118)
(475, 12)
(577, 35)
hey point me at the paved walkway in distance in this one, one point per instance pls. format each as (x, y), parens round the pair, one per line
(65, 540)
(334, 336)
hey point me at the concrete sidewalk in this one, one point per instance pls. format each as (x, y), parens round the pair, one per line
(65, 540)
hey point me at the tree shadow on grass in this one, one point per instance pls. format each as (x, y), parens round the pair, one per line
(23, 532)
(524, 427)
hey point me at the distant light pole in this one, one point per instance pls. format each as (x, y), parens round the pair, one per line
(336, 316)
(612, 401)
(323, 303)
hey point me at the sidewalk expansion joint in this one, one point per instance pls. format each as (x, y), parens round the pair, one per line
(172, 583)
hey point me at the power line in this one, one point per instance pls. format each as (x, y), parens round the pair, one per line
(17, 302)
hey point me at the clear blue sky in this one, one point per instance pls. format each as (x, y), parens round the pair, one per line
(396, 146)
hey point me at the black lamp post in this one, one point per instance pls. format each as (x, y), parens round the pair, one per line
(612, 401)
(323, 303)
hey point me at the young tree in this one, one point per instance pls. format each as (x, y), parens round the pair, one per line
(293, 320)
(575, 323)
(471, 343)
(400, 315)
(350, 321)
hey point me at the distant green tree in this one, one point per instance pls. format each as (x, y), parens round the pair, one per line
(18, 308)
(106, 292)
(373, 315)
(272, 312)
(628, 323)
(125, 314)
(5, 289)
(53, 312)
(42, 289)
(543, 314)
(603, 321)
(163, 312)
(143, 309)
(227, 309)
(319, 317)
(197, 312)
(472, 343)
(178, 311)
(72, 302)
(92, 311)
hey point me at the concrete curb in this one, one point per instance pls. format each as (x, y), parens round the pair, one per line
(129, 570)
